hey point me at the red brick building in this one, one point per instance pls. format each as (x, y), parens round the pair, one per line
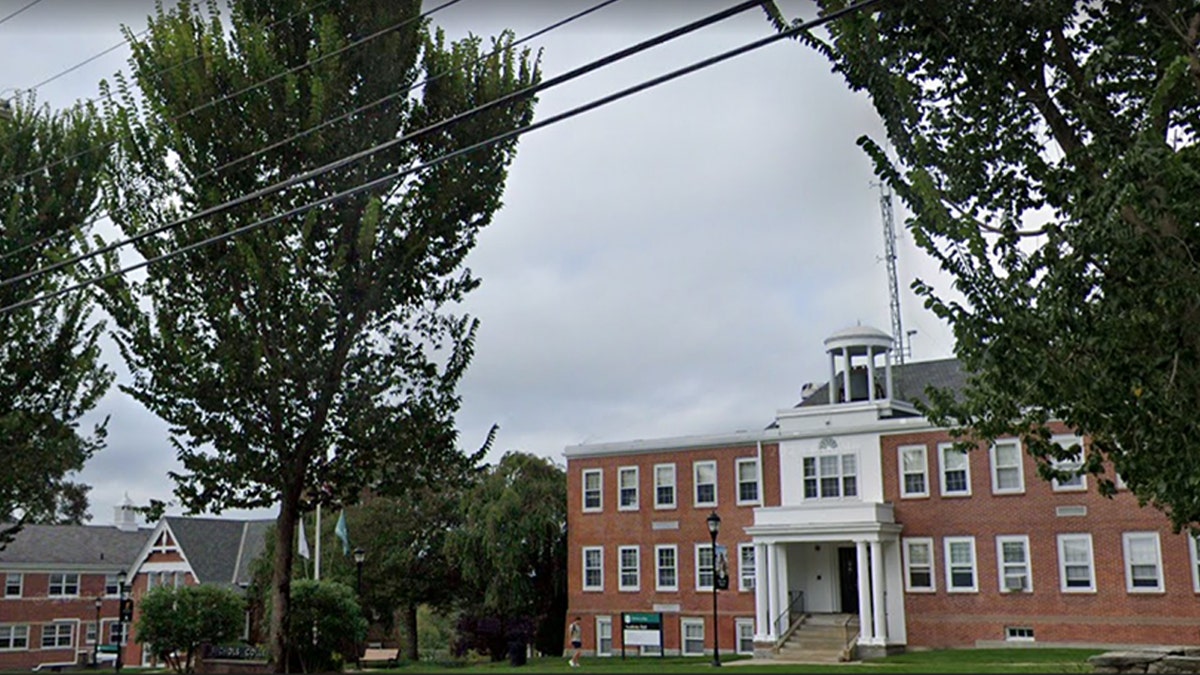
(851, 510)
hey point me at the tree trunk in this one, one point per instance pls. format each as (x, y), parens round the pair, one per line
(281, 580)
(408, 624)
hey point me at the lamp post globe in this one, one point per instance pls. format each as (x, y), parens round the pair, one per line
(714, 527)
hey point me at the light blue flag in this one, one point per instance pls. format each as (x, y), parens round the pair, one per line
(343, 533)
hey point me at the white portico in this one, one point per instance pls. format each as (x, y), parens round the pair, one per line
(832, 545)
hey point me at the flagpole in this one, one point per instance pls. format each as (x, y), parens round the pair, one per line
(317, 574)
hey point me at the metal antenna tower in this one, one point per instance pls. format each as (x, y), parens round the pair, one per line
(889, 254)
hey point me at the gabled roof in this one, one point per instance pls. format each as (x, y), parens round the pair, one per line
(219, 551)
(74, 546)
(910, 381)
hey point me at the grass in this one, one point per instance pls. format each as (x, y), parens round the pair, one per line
(942, 661)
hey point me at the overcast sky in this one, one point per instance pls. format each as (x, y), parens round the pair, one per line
(666, 265)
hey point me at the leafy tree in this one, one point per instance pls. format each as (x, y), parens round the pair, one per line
(50, 374)
(1048, 153)
(175, 622)
(511, 549)
(290, 359)
(325, 624)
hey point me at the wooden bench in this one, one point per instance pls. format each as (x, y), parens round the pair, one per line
(376, 655)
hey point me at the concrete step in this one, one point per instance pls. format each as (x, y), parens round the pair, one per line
(809, 655)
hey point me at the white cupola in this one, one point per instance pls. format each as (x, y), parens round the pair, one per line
(854, 367)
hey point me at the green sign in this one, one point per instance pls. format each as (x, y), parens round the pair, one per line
(642, 620)
(108, 649)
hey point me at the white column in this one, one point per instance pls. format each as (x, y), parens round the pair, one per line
(877, 582)
(848, 395)
(887, 359)
(870, 373)
(762, 609)
(781, 583)
(864, 594)
(832, 377)
(772, 596)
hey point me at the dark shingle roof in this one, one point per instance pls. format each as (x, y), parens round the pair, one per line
(214, 547)
(74, 545)
(910, 381)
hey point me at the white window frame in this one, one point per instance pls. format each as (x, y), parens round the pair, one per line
(741, 626)
(757, 482)
(599, 568)
(112, 627)
(112, 587)
(1002, 566)
(602, 622)
(996, 468)
(636, 569)
(1195, 558)
(696, 483)
(20, 584)
(1062, 563)
(684, 624)
(1065, 442)
(658, 567)
(927, 542)
(842, 477)
(1018, 634)
(905, 493)
(90, 630)
(621, 488)
(943, 449)
(58, 634)
(66, 580)
(1126, 539)
(12, 629)
(743, 568)
(674, 485)
(598, 490)
(950, 566)
(712, 566)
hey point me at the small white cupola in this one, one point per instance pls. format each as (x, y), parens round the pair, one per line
(855, 352)
(125, 516)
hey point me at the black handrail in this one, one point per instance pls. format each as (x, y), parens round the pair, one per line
(794, 598)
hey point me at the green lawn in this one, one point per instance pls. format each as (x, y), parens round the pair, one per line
(948, 661)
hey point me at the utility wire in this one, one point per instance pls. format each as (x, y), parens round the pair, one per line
(19, 11)
(558, 24)
(647, 84)
(508, 98)
(249, 88)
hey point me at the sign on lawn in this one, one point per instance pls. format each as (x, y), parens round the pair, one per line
(641, 629)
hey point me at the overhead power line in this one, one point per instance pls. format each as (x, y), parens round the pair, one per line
(506, 99)
(6, 18)
(379, 101)
(390, 177)
(249, 88)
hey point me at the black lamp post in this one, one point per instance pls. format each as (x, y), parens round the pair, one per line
(96, 642)
(122, 589)
(359, 556)
(714, 526)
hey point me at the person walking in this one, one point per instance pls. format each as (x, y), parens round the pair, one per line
(576, 633)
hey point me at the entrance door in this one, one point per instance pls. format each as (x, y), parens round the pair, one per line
(848, 579)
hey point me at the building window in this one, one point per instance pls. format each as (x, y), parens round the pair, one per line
(666, 567)
(747, 477)
(631, 570)
(693, 636)
(918, 564)
(830, 476)
(1143, 562)
(1192, 548)
(12, 585)
(1075, 563)
(593, 568)
(627, 488)
(746, 567)
(593, 490)
(664, 486)
(956, 471)
(112, 587)
(58, 635)
(1018, 634)
(704, 567)
(914, 471)
(745, 636)
(1013, 554)
(1007, 476)
(116, 633)
(14, 637)
(960, 565)
(604, 638)
(89, 633)
(1074, 466)
(64, 584)
(705, 474)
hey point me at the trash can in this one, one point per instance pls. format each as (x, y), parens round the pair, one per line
(516, 653)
